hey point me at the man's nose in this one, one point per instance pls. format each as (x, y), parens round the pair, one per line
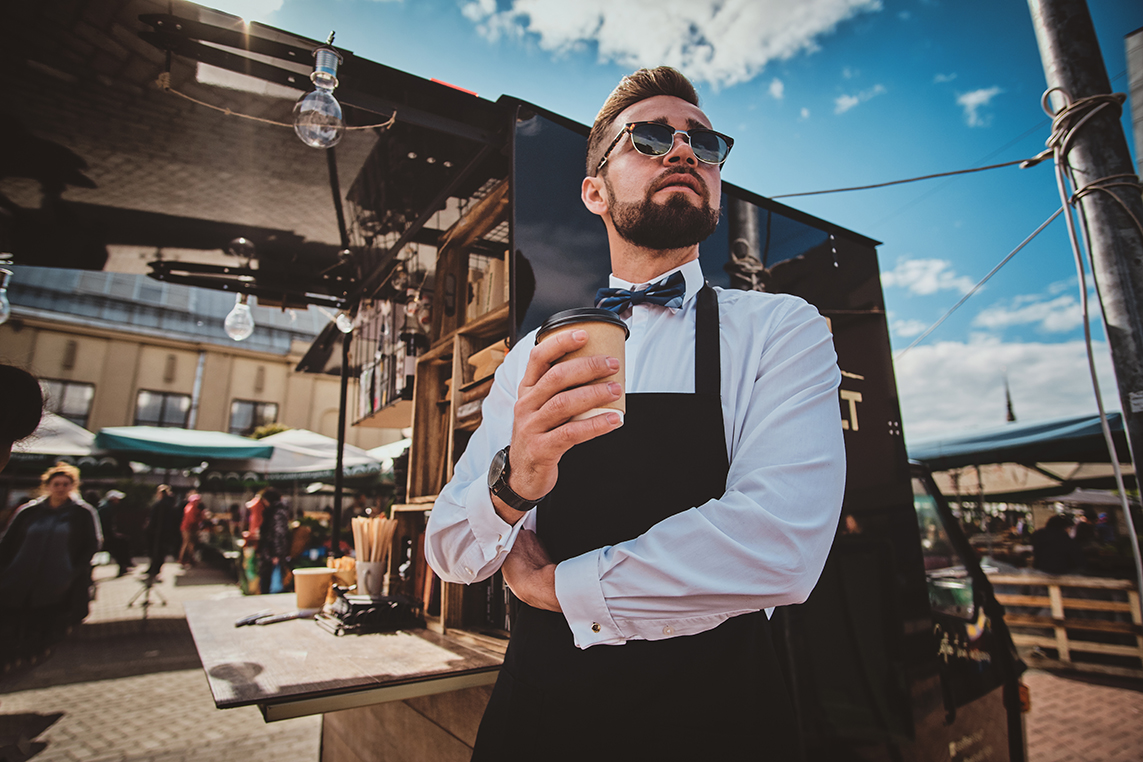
(681, 151)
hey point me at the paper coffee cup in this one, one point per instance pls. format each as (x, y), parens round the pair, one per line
(606, 334)
(371, 578)
(311, 586)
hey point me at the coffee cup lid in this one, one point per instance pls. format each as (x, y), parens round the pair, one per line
(581, 315)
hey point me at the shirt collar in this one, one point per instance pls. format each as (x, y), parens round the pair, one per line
(692, 274)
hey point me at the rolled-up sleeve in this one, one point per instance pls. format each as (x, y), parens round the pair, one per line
(764, 542)
(466, 540)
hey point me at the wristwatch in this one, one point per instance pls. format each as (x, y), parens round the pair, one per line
(498, 474)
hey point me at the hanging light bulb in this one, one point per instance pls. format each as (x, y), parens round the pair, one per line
(5, 306)
(344, 322)
(239, 324)
(317, 115)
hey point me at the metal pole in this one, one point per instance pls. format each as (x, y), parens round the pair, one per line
(335, 530)
(1073, 62)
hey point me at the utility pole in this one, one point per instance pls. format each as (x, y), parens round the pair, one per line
(1073, 62)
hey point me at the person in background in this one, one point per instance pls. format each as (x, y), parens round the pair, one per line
(22, 408)
(115, 541)
(255, 508)
(1053, 550)
(159, 530)
(19, 418)
(45, 565)
(188, 528)
(1104, 531)
(273, 542)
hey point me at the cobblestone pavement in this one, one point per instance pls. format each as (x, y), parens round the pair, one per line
(121, 689)
(127, 689)
(1082, 718)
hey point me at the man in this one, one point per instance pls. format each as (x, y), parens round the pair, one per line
(657, 542)
(161, 530)
(115, 541)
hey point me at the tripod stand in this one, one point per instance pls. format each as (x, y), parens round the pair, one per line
(148, 587)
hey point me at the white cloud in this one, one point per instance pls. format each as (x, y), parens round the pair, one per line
(722, 42)
(974, 101)
(907, 329)
(848, 73)
(938, 79)
(948, 387)
(844, 103)
(1059, 315)
(777, 89)
(926, 276)
(805, 113)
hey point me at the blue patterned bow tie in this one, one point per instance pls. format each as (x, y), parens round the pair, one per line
(667, 293)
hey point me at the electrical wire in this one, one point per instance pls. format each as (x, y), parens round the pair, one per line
(163, 82)
(983, 280)
(1023, 162)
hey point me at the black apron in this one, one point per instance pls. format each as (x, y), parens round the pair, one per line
(719, 694)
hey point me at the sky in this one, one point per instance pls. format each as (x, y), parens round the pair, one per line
(823, 94)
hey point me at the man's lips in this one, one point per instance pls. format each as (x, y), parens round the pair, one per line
(677, 180)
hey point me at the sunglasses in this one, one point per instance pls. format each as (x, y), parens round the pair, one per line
(657, 139)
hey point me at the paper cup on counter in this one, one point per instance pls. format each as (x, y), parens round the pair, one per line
(312, 585)
(371, 578)
(606, 334)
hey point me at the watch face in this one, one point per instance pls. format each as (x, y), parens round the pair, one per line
(499, 461)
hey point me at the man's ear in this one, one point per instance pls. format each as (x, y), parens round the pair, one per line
(594, 195)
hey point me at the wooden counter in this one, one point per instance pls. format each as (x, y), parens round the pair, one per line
(296, 668)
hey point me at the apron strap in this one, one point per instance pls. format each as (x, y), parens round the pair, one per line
(708, 371)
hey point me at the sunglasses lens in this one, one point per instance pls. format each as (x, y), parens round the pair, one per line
(708, 146)
(652, 139)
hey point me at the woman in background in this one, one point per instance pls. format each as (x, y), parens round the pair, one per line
(45, 564)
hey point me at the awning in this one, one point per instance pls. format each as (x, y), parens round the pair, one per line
(56, 440)
(55, 436)
(301, 455)
(1026, 461)
(167, 447)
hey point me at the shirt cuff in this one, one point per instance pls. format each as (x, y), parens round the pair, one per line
(581, 599)
(494, 536)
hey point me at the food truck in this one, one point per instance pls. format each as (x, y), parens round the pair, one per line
(447, 229)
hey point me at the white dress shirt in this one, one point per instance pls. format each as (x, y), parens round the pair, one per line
(761, 544)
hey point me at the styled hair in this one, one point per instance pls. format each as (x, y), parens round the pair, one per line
(23, 404)
(61, 469)
(639, 86)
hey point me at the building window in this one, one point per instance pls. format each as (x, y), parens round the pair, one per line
(162, 409)
(246, 415)
(68, 399)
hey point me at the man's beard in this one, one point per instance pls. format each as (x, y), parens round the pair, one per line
(674, 224)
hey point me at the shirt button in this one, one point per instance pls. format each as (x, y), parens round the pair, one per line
(467, 570)
(595, 627)
(668, 630)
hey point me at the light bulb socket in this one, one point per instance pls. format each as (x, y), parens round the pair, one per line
(326, 61)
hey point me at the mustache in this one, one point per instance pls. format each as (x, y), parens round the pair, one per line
(668, 177)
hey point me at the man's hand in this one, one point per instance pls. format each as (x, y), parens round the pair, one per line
(550, 395)
(530, 573)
